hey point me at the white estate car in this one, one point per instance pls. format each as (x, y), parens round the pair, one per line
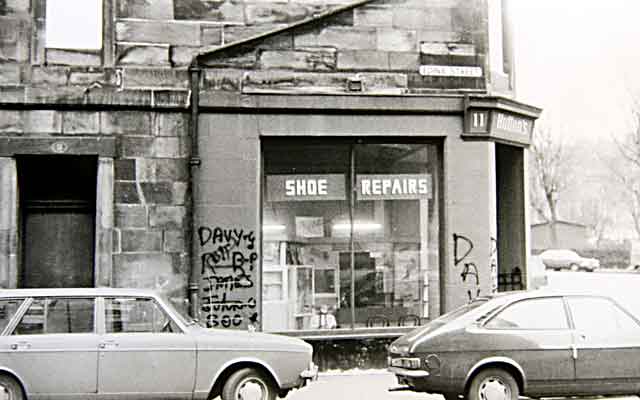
(129, 343)
(558, 259)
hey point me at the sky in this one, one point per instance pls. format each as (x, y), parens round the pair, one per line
(579, 60)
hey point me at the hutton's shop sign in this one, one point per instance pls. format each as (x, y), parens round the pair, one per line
(498, 125)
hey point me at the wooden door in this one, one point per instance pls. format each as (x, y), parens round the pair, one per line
(57, 195)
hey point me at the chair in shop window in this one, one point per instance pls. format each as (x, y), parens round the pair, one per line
(409, 320)
(377, 321)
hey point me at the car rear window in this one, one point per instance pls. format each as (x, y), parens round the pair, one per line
(538, 313)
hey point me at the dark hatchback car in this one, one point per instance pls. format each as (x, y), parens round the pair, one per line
(534, 344)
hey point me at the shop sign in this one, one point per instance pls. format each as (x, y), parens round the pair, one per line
(305, 187)
(394, 187)
(498, 125)
(511, 124)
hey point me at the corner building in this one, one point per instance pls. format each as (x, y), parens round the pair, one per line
(335, 170)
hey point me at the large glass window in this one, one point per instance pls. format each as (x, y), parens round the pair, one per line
(350, 234)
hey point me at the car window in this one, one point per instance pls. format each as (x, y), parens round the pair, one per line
(136, 315)
(57, 315)
(8, 309)
(600, 318)
(541, 313)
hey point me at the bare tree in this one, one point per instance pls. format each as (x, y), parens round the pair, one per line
(596, 216)
(628, 170)
(549, 174)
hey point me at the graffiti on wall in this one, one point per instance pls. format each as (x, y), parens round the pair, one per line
(228, 270)
(464, 258)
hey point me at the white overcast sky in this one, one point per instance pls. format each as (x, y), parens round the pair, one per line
(578, 60)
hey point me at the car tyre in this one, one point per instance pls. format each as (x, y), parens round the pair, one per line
(248, 383)
(10, 388)
(493, 384)
(574, 267)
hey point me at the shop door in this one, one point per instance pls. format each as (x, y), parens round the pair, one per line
(58, 220)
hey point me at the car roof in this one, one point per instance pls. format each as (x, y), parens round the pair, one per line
(103, 291)
(543, 292)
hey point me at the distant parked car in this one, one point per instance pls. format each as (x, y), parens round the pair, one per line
(534, 344)
(129, 344)
(633, 268)
(559, 259)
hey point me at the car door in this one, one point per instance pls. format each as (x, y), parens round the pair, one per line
(607, 346)
(143, 353)
(53, 348)
(535, 334)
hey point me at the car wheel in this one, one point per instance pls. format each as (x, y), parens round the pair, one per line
(248, 384)
(493, 384)
(10, 389)
(574, 267)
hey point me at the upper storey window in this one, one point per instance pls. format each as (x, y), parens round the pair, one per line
(74, 24)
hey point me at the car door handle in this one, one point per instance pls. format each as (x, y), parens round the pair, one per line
(20, 346)
(107, 344)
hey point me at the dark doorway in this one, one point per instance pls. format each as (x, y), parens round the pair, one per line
(57, 203)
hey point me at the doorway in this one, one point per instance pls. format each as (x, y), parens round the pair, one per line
(57, 212)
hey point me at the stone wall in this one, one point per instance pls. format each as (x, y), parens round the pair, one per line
(149, 45)
(149, 186)
(379, 47)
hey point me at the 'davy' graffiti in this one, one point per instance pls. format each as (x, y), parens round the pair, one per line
(464, 258)
(228, 270)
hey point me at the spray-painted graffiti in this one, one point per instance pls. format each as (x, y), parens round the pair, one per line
(463, 255)
(228, 263)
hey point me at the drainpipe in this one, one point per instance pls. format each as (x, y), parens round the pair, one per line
(194, 163)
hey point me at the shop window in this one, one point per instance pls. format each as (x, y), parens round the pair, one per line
(350, 233)
(73, 24)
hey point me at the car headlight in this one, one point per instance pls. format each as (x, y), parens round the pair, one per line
(405, 362)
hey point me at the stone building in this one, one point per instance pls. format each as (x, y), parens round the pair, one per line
(259, 161)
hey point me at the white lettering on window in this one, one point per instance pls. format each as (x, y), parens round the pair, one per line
(322, 187)
(290, 187)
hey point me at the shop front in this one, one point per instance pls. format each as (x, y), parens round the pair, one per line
(350, 233)
(349, 228)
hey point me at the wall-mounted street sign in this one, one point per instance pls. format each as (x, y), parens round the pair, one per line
(305, 187)
(393, 187)
(499, 119)
(451, 71)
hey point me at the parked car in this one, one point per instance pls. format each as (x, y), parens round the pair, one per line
(559, 259)
(129, 343)
(533, 344)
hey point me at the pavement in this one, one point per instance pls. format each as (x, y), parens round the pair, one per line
(368, 385)
(356, 385)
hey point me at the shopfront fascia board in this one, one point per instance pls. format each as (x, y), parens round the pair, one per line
(499, 119)
(221, 100)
